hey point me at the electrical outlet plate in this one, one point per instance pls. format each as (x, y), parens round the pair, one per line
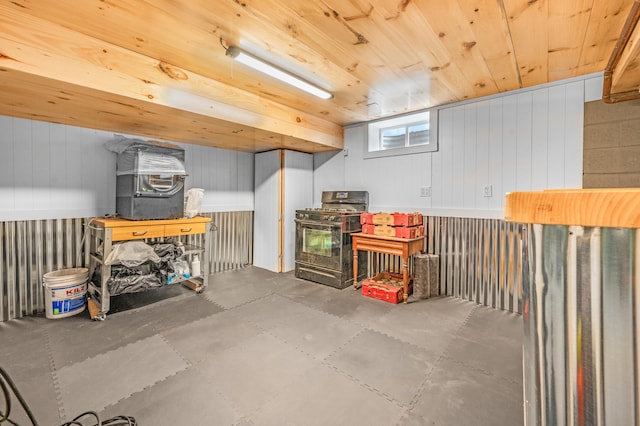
(425, 191)
(487, 191)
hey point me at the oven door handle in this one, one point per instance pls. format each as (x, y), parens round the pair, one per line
(316, 224)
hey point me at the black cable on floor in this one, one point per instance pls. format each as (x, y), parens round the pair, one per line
(7, 384)
(114, 421)
(4, 381)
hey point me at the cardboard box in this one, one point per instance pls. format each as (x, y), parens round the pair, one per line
(368, 228)
(394, 231)
(409, 231)
(366, 219)
(407, 219)
(391, 219)
(383, 219)
(385, 286)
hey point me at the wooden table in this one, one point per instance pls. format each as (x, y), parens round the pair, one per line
(403, 247)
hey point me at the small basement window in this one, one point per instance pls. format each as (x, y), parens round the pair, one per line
(408, 134)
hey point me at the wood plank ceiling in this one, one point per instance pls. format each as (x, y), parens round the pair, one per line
(157, 68)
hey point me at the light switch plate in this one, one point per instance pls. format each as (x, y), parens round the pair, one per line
(425, 191)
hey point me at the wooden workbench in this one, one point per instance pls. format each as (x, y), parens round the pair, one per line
(105, 231)
(403, 247)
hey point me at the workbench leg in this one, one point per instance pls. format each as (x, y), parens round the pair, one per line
(405, 278)
(355, 269)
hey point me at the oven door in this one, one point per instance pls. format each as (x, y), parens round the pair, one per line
(319, 244)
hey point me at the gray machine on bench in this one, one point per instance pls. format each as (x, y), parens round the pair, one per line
(150, 181)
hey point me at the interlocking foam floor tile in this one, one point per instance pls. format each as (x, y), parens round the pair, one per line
(109, 377)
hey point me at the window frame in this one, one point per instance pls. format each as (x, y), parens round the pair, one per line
(375, 129)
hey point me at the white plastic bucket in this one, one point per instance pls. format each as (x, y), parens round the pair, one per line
(65, 292)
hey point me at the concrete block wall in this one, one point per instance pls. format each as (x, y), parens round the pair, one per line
(611, 145)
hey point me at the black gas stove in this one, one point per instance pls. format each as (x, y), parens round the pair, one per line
(348, 220)
(323, 238)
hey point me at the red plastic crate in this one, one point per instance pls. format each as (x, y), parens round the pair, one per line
(391, 219)
(366, 218)
(393, 231)
(392, 293)
(407, 219)
(409, 231)
(368, 228)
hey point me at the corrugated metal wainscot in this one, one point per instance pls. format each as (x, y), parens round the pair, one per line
(480, 260)
(29, 249)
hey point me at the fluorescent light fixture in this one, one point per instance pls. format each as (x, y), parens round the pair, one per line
(271, 70)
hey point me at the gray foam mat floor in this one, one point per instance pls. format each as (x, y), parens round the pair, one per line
(260, 348)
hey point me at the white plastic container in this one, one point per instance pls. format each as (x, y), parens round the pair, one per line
(195, 266)
(193, 202)
(65, 292)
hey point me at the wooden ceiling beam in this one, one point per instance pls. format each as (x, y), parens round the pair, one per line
(627, 68)
(50, 52)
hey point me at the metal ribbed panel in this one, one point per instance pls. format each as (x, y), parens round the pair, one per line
(29, 249)
(480, 259)
(581, 325)
(231, 240)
